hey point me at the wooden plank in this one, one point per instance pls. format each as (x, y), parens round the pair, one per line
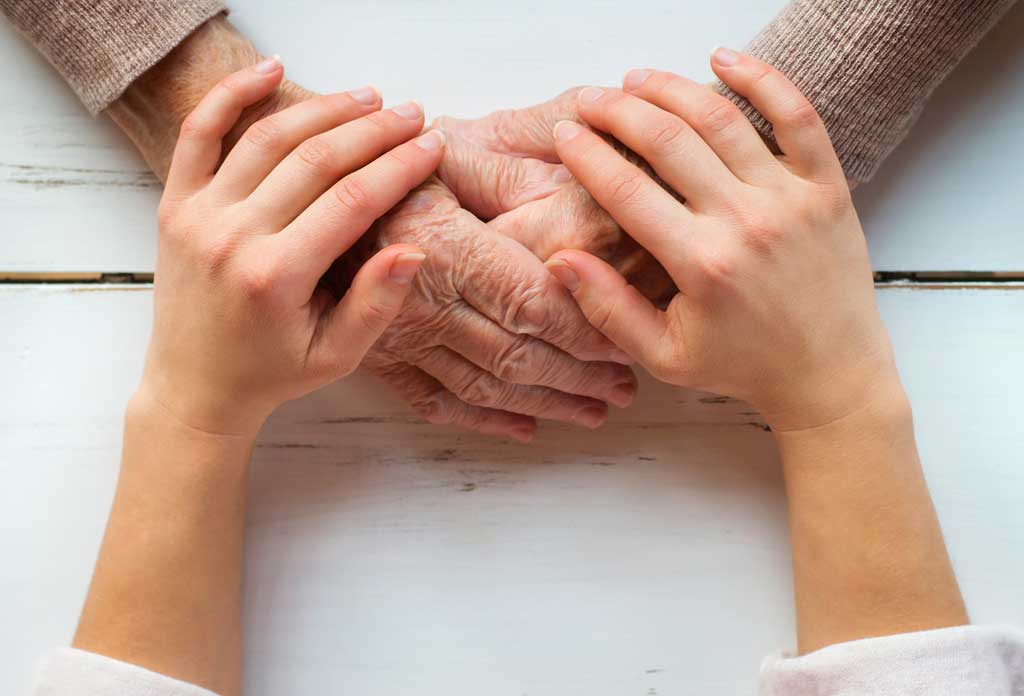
(77, 198)
(387, 556)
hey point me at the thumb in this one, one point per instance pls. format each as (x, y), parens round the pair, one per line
(518, 132)
(376, 296)
(611, 305)
(488, 183)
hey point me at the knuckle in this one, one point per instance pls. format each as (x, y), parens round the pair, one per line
(352, 196)
(373, 317)
(715, 267)
(256, 282)
(527, 310)
(801, 114)
(720, 116)
(762, 73)
(761, 231)
(624, 188)
(516, 363)
(479, 389)
(217, 252)
(665, 136)
(194, 127)
(265, 134)
(317, 154)
(601, 317)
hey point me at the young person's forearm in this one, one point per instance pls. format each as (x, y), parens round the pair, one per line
(166, 592)
(868, 554)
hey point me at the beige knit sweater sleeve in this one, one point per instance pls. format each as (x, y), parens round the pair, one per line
(869, 66)
(101, 46)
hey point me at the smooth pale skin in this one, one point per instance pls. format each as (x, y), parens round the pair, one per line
(240, 326)
(770, 248)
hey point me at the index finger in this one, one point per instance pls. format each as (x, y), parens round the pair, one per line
(328, 227)
(650, 215)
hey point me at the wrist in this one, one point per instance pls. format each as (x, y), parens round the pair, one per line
(885, 416)
(193, 415)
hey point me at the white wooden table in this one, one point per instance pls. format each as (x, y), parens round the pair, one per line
(387, 556)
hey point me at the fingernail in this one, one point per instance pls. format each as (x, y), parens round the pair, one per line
(566, 131)
(404, 267)
(410, 110)
(268, 65)
(564, 273)
(724, 56)
(431, 140)
(635, 78)
(621, 357)
(591, 416)
(591, 94)
(561, 175)
(365, 95)
(523, 435)
(623, 394)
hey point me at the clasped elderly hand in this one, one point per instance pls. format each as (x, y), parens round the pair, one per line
(488, 338)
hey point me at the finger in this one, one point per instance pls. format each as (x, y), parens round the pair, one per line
(522, 359)
(664, 140)
(495, 275)
(517, 132)
(513, 290)
(488, 183)
(798, 129)
(318, 162)
(440, 407)
(340, 216)
(197, 151)
(480, 388)
(611, 305)
(269, 140)
(541, 227)
(715, 119)
(647, 212)
(365, 311)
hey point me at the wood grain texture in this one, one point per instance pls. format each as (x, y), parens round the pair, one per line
(388, 556)
(75, 196)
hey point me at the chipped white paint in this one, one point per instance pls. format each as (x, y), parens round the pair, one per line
(387, 556)
(75, 197)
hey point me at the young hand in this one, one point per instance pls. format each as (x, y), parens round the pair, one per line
(776, 303)
(240, 324)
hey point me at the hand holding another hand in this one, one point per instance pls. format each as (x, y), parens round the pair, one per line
(776, 303)
(240, 323)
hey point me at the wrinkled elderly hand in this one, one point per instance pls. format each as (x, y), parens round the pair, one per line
(504, 169)
(487, 339)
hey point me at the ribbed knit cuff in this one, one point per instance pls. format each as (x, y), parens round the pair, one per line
(869, 66)
(101, 46)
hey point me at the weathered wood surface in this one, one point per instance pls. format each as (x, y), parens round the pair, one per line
(387, 556)
(75, 197)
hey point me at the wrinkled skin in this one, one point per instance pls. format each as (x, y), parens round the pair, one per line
(503, 168)
(488, 340)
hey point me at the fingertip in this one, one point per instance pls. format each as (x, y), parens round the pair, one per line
(563, 272)
(432, 140)
(723, 57)
(565, 131)
(523, 434)
(269, 66)
(635, 79)
(405, 265)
